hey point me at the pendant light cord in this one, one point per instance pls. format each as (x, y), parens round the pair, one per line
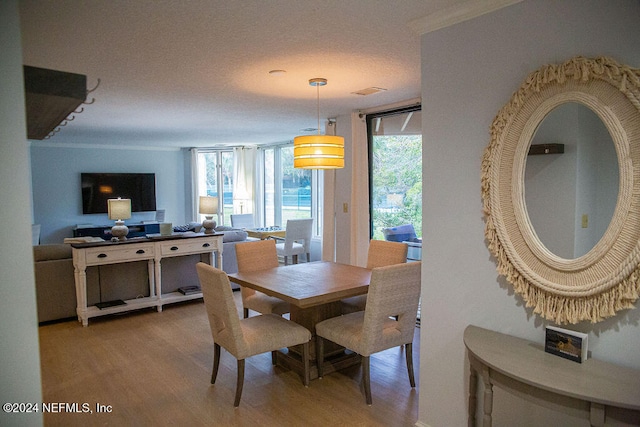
(318, 105)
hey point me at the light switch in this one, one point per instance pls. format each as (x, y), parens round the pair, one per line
(585, 220)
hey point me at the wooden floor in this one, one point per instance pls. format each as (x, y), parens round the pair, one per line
(154, 368)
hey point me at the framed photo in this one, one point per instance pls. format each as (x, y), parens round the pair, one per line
(565, 343)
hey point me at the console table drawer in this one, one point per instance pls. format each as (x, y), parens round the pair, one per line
(124, 253)
(192, 246)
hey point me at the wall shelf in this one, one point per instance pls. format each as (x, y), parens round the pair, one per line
(50, 97)
(546, 149)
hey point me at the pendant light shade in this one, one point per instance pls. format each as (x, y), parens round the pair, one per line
(318, 151)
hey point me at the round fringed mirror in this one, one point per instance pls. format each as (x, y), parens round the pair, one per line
(606, 279)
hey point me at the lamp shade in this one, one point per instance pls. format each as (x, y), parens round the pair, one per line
(318, 152)
(208, 205)
(119, 208)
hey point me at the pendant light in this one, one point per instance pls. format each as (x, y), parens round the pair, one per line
(318, 151)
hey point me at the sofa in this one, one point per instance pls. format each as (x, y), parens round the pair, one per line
(231, 236)
(55, 289)
(55, 282)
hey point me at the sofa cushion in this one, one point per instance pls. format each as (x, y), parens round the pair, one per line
(231, 234)
(234, 236)
(51, 252)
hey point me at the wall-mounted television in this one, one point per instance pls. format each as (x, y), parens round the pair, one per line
(98, 187)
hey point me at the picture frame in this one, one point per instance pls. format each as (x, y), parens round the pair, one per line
(568, 344)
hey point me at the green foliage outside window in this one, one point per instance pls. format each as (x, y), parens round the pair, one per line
(397, 182)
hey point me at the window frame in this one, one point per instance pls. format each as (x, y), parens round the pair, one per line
(369, 118)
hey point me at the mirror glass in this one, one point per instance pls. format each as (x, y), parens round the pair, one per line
(571, 197)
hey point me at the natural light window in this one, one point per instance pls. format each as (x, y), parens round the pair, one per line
(395, 144)
(285, 192)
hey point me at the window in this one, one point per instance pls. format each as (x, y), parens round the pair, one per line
(216, 177)
(289, 193)
(395, 169)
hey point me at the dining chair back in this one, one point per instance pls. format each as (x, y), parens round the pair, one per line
(259, 255)
(389, 319)
(381, 253)
(297, 240)
(242, 221)
(244, 337)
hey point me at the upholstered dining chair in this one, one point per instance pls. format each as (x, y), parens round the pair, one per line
(245, 337)
(393, 291)
(259, 255)
(242, 220)
(297, 240)
(381, 253)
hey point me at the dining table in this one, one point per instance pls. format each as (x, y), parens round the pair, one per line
(314, 291)
(265, 233)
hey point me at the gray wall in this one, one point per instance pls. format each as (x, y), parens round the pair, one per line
(19, 352)
(469, 71)
(56, 169)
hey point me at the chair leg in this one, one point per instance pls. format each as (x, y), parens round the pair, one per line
(409, 355)
(308, 257)
(216, 362)
(273, 357)
(285, 260)
(320, 355)
(239, 382)
(245, 312)
(366, 378)
(294, 259)
(305, 358)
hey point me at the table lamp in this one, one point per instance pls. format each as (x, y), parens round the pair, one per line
(208, 207)
(119, 210)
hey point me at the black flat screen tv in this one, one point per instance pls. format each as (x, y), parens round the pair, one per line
(98, 187)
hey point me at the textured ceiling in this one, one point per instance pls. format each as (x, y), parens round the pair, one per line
(195, 73)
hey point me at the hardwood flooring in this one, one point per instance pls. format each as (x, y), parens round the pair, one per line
(150, 368)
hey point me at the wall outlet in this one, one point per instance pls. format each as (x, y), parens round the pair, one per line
(585, 220)
(345, 207)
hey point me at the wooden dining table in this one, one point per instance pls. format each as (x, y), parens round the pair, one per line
(314, 291)
(265, 233)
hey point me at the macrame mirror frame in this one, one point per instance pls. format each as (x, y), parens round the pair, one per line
(605, 280)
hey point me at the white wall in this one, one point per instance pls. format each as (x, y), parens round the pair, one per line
(19, 352)
(56, 169)
(469, 71)
(343, 193)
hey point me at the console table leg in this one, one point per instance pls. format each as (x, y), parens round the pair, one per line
(158, 280)
(597, 414)
(488, 397)
(80, 278)
(473, 401)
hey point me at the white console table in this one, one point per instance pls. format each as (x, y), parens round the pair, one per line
(524, 367)
(152, 249)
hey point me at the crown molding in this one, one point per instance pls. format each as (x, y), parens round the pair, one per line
(461, 12)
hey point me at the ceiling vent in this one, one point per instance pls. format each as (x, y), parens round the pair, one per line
(51, 96)
(368, 91)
